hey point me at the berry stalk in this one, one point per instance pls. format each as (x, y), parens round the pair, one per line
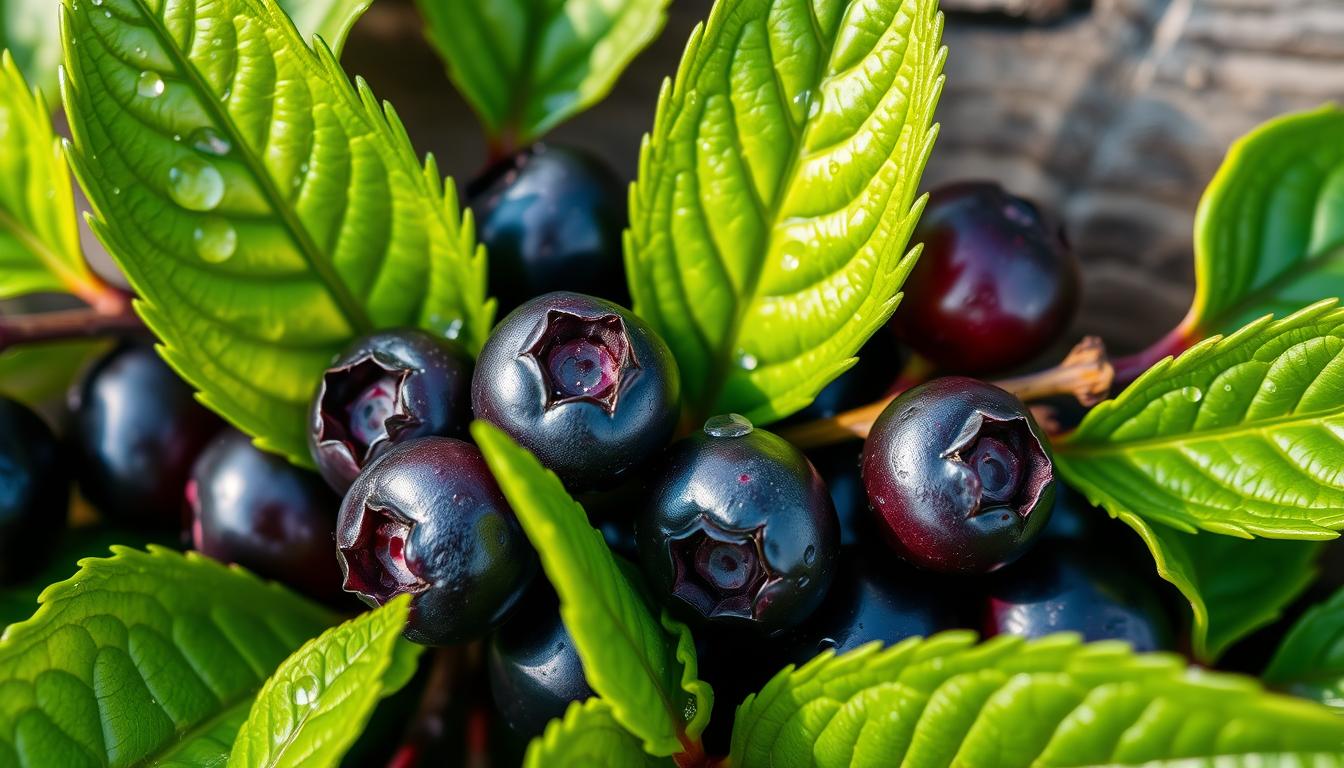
(1085, 374)
(66, 325)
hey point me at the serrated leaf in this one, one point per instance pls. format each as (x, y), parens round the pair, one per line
(776, 193)
(1239, 435)
(290, 216)
(39, 234)
(1269, 235)
(1310, 660)
(316, 704)
(1011, 702)
(528, 66)
(643, 667)
(143, 658)
(1234, 586)
(590, 736)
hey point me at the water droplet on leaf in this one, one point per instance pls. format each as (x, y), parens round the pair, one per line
(305, 691)
(209, 141)
(1193, 394)
(747, 361)
(728, 425)
(149, 85)
(195, 184)
(215, 240)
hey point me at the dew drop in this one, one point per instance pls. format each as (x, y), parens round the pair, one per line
(215, 240)
(116, 190)
(195, 184)
(834, 168)
(789, 262)
(149, 85)
(454, 329)
(1193, 394)
(305, 691)
(1269, 386)
(810, 554)
(747, 361)
(209, 141)
(728, 425)
(96, 3)
(803, 582)
(1227, 387)
(107, 14)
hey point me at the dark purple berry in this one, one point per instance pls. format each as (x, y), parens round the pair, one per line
(996, 284)
(959, 475)
(136, 429)
(552, 220)
(739, 529)
(259, 511)
(875, 599)
(387, 388)
(583, 384)
(34, 491)
(427, 518)
(534, 666)
(1063, 587)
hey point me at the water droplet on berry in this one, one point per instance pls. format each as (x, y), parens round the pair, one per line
(195, 184)
(215, 240)
(305, 691)
(1193, 394)
(209, 141)
(810, 554)
(150, 85)
(728, 425)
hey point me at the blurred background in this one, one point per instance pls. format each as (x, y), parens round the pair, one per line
(1114, 113)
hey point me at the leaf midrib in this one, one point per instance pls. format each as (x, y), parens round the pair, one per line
(198, 730)
(1270, 288)
(345, 301)
(1070, 447)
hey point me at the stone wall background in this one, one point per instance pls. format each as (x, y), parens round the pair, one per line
(1115, 113)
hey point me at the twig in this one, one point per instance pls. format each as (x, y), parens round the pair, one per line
(66, 325)
(1085, 374)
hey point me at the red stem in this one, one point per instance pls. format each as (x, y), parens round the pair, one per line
(66, 325)
(1131, 367)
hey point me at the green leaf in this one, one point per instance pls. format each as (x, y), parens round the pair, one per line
(1310, 661)
(329, 19)
(39, 373)
(590, 736)
(1239, 435)
(776, 193)
(1234, 586)
(1269, 235)
(526, 66)
(316, 704)
(1011, 702)
(143, 658)
(30, 31)
(290, 216)
(644, 668)
(39, 234)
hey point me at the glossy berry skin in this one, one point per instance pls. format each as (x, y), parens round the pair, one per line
(427, 518)
(135, 432)
(551, 218)
(34, 491)
(996, 284)
(738, 530)
(1082, 589)
(583, 384)
(535, 672)
(873, 598)
(959, 475)
(388, 387)
(259, 511)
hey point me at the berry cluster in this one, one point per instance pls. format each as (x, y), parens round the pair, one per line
(942, 518)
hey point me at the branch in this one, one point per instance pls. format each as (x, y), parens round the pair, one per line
(67, 325)
(1085, 374)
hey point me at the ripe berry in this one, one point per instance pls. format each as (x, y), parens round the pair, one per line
(136, 430)
(387, 388)
(739, 529)
(34, 491)
(427, 518)
(959, 475)
(551, 218)
(875, 599)
(534, 667)
(997, 282)
(1084, 589)
(583, 384)
(259, 511)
